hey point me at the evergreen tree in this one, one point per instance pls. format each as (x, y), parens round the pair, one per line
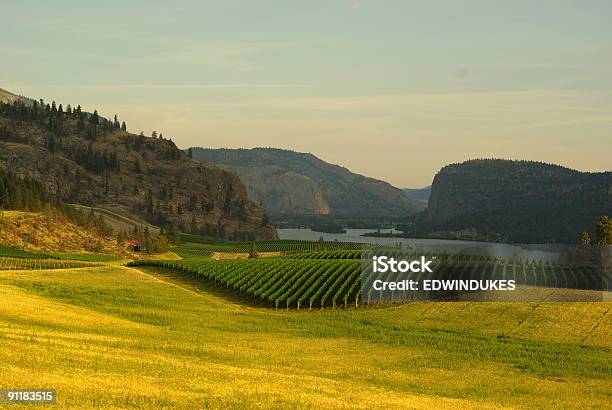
(174, 234)
(146, 239)
(121, 238)
(604, 231)
(51, 146)
(149, 202)
(585, 239)
(253, 251)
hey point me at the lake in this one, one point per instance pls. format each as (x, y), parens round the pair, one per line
(538, 252)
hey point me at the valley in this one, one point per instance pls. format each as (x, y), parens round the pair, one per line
(136, 275)
(306, 205)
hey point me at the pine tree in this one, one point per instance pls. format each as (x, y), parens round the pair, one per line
(253, 251)
(149, 202)
(51, 143)
(604, 231)
(585, 239)
(147, 239)
(120, 238)
(174, 234)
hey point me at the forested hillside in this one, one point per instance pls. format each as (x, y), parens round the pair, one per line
(293, 183)
(517, 201)
(79, 157)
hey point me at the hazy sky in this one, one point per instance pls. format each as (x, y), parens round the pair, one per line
(389, 89)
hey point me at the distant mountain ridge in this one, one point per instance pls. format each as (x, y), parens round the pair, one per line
(517, 201)
(288, 182)
(7, 96)
(418, 194)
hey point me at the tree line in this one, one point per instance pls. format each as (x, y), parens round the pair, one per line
(29, 195)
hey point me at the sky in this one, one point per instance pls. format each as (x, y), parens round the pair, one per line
(390, 89)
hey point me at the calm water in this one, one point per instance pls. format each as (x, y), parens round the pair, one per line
(539, 252)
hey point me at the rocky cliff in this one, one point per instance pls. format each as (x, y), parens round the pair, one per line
(517, 200)
(83, 158)
(287, 182)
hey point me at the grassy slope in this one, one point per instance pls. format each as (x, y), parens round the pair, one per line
(116, 217)
(48, 232)
(117, 337)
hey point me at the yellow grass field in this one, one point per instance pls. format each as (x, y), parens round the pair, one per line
(51, 232)
(117, 337)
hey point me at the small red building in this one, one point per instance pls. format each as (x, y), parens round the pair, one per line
(134, 245)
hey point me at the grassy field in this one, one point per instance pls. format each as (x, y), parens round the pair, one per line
(116, 337)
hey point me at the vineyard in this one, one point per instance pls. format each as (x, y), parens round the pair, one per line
(87, 257)
(38, 263)
(10, 252)
(18, 259)
(467, 267)
(285, 246)
(281, 282)
(341, 254)
(326, 274)
(331, 279)
(189, 252)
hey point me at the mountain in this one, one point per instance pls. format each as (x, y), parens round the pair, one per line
(516, 201)
(83, 158)
(418, 194)
(8, 97)
(288, 182)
